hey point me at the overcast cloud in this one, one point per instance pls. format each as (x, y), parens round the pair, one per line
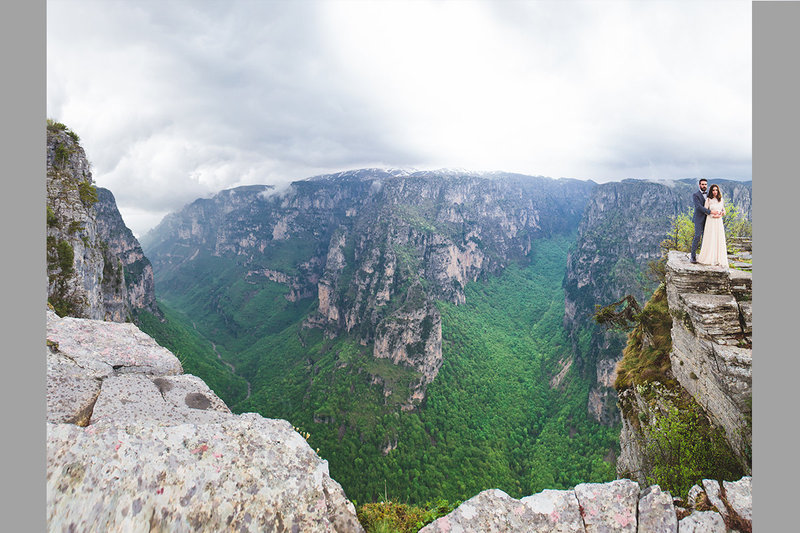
(177, 100)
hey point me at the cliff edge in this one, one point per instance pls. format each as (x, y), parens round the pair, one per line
(133, 444)
(686, 375)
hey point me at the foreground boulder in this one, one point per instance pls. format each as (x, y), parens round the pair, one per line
(135, 445)
(616, 506)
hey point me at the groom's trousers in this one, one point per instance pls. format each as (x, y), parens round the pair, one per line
(699, 226)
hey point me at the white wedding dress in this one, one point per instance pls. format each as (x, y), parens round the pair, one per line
(714, 250)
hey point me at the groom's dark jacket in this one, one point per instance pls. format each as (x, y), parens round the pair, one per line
(700, 210)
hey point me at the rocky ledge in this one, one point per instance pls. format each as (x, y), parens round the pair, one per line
(133, 444)
(617, 506)
(712, 353)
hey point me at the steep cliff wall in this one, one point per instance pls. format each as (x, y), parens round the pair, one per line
(95, 267)
(712, 352)
(135, 445)
(122, 257)
(694, 383)
(620, 232)
(377, 248)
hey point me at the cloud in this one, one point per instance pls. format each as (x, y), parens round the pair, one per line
(177, 100)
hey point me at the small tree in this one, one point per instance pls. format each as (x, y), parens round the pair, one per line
(621, 315)
(680, 235)
(736, 225)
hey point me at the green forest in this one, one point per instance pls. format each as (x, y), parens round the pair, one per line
(490, 418)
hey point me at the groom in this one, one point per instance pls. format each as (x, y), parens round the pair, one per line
(700, 214)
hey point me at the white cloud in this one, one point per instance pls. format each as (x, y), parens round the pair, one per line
(178, 100)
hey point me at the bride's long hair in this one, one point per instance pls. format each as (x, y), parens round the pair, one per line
(719, 192)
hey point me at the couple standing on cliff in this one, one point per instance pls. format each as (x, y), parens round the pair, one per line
(708, 212)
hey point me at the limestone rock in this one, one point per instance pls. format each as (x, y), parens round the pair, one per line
(493, 511)
(608, 506)
(739, 495)
(733, 500)
(656, 512)
(71, 393)
(695, 495)
(106, 348)
(595, 507)
(702, 522)
(128, 284)
(412, 336)
(711, 357)
(95, 266)
(160, 451)
(167, 400)
(245, 474)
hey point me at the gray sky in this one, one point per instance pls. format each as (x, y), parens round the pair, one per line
(177, 100)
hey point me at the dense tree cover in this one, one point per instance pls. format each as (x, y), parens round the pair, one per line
(195, 353)
(490, 418)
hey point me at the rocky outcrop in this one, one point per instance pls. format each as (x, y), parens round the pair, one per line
(620, 233)
(133, 444)
(413, 338)
(701, 376)
(128, 285)
(95, 267)
(603, 507)
(712, 352)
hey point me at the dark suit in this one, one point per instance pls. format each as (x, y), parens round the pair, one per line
(699, 219)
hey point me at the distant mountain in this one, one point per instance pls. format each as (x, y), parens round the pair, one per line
(406, 318)
(402, 318)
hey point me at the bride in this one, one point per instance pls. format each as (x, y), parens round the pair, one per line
(714, 250)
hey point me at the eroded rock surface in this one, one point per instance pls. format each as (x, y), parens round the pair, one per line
(135, 445)
(616, 506)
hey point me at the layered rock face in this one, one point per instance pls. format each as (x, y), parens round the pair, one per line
(133, 444)
(123, 258)
(599, 507)
(709, 365)
(376, 248)
(95, 266)
(620, 232)
(712, 352)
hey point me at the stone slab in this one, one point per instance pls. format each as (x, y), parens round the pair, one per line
(245, 474)
(165, 400)
(656, 512)
(106, 348)
(702, 522)
(609, 507)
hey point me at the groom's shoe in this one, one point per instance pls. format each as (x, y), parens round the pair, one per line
(692, 259)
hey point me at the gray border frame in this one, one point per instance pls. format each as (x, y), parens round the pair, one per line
(24, 444)
(776, 123)
(776, 139)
